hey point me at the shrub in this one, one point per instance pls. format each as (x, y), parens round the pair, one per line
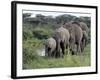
(27, 34)
(42, 33)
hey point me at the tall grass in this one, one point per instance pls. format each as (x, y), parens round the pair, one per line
(68, 61)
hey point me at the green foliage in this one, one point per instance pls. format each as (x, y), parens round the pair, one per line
(42, 33)
(27, 34)
(29, 50)
(64, 18)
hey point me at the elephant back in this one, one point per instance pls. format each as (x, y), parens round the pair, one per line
(62, 34)
(77, 32)
(84, 27)
(50, 42)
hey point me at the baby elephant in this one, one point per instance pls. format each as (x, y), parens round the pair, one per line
(50, 47)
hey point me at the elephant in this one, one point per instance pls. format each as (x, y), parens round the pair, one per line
(62, 37)
(76, 35)
(50, 47)
(85, 31)
(84, 27)
(84, 40)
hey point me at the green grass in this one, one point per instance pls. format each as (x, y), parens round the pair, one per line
(68, 61)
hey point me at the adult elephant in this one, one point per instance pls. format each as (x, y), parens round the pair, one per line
(62, 37)
(76, 35)
(84, 27)
(50, 47)
(85, 31)
(84, 40)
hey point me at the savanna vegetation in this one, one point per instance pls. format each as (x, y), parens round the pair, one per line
(37, 29)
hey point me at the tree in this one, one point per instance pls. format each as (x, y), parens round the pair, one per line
(26, 15)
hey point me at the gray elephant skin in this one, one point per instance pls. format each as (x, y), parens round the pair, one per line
(84, 27)
(76, 35)
(84, 40)
(62, 37)
(50, 47)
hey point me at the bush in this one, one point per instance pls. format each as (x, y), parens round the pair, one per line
(29, 49)
(27, 34)
(42, 33)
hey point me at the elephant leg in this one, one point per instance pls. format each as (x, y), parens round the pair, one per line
(46, 51)
(68, 49)
(80, 53)
(58, 49)
(63, 48)
(54, 53)
(72, 48)
(49, 52)
(79, 49)
(83, 45)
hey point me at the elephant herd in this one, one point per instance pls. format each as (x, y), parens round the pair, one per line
(70, 38)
